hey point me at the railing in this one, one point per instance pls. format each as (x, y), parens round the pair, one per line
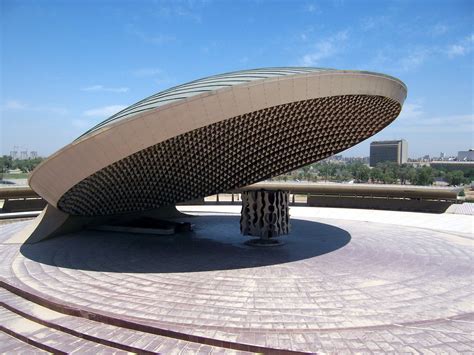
(410, 198)
(389, 197)
(20, 199)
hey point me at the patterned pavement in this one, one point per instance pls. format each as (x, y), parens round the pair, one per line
(467, 208)
(335, 286)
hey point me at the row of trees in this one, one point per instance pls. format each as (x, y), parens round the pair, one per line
(383, 173)
(25, 165)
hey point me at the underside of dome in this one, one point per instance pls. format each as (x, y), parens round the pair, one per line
(229, 154)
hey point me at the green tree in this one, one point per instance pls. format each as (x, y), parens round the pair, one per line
(388, 178)
(362, 173)
(6, 163)
(411, 175)
(376, 174)
(455, 177)
(424, 176)
(325, 171)
(404, 173)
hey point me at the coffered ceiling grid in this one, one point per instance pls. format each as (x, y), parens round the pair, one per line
(230, 154)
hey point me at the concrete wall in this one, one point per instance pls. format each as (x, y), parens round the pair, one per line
(392, 204)
(23, 205)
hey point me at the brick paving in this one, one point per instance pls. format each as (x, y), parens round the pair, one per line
(467, 208)
(11, 345)
(335, 286)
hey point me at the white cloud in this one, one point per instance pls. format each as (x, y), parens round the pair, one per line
(188, 11)
(157, 38)
(306, 34)
(105, 111)
(411, 111)
(439, 29)
(374, 22)
(312, 7)
(413, 118)
(413, 60)
(440, 124)
(17, 105)
(462, 47)
(105, 89)
(455, 50)
(325, 48)
(14, 105)
(147, 72)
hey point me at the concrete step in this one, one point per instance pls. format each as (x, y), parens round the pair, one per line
(12, 345)
(48, 339)
(26, 319)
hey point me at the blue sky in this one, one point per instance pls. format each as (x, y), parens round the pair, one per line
(67, 65)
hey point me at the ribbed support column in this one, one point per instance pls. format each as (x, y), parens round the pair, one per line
(265, 213)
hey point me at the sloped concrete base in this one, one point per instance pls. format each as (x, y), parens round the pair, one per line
(53, 222)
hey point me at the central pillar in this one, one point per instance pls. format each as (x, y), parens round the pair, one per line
(265, 214)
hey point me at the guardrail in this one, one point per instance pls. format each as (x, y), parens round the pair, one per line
(367, 196)
(392, 197)
(20, 199)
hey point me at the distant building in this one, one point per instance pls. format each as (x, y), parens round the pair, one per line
(14, 154)
(466, 155)
(383, 151)
(464, 166)
(33, 154)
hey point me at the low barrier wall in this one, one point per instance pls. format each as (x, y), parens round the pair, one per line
(393, 204)
(23, 205)
(384, 197)
(20, 199)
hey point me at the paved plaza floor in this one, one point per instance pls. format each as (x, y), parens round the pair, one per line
(344, 281)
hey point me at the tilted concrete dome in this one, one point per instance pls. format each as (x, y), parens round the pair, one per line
(216, 134)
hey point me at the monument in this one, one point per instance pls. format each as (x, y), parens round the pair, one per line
(208, 136)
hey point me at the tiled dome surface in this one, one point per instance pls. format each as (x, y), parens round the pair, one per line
(229, 154)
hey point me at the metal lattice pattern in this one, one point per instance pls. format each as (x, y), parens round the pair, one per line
(229, 154)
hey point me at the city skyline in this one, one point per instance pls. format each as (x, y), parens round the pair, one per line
(68, 66)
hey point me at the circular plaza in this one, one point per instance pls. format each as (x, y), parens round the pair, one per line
(374, 281)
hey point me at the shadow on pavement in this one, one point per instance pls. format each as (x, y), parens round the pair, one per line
(215, 244)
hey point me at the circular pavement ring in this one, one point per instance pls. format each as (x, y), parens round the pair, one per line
(330, 275)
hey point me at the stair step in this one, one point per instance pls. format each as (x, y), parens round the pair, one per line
(100, 333)
(46, 338)
(12, 345)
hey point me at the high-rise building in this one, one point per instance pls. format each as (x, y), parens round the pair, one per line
(24, 154)
(383, 151)
(466, 155)
(14, 154)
